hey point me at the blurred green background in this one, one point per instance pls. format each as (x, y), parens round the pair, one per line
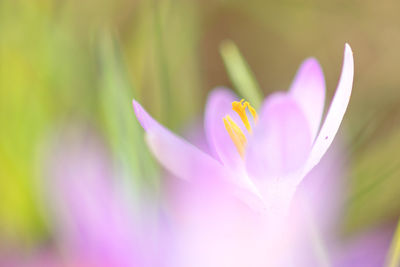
(67, 61)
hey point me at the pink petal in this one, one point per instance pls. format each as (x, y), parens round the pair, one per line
(281, 140)
(308, 89)
(177, 155)
(336, 112)
(219, 104)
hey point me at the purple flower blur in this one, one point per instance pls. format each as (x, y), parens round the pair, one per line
(264, 159)
(93, 222)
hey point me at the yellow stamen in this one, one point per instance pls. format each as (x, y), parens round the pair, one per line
(240, 109)
(236, 134)
(252, 111)
(234, 131)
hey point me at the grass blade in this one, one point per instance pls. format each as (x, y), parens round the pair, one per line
(240, 73)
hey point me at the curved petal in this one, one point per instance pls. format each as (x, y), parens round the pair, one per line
(177, 155)
(336, 112)
(219, 104)
(308, 89)
(281, 140)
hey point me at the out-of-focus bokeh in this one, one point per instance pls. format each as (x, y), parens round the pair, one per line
(78, 64)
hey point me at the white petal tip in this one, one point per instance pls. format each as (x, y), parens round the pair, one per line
(135, 104)
(347, 48)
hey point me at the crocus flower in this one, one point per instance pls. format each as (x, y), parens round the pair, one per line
(93, 222)
(261, 155)
(211, 227)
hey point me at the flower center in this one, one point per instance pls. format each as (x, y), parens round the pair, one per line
(234, 131)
